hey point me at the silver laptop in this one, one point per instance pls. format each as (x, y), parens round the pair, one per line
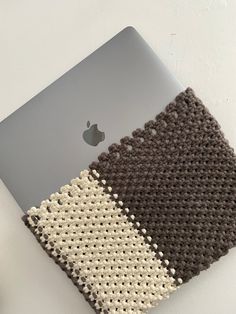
(59, 132)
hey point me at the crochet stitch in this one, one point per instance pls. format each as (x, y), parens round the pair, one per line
(150, 214)
(84, 227)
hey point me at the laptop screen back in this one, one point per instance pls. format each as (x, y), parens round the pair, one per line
(55, 135)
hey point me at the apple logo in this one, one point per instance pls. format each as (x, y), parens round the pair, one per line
(92, 135)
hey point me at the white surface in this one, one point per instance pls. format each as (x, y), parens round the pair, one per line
(39, 41)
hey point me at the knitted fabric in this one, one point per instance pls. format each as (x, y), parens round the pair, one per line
(150, 214)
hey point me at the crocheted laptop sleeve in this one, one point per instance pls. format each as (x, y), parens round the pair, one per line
(150, 214)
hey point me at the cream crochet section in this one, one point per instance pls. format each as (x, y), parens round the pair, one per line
(86, 229)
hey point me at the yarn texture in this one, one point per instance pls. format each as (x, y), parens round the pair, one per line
(150, 214)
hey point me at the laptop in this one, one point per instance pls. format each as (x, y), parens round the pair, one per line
(59, 132)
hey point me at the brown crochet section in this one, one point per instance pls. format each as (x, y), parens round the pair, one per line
(177, 176)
